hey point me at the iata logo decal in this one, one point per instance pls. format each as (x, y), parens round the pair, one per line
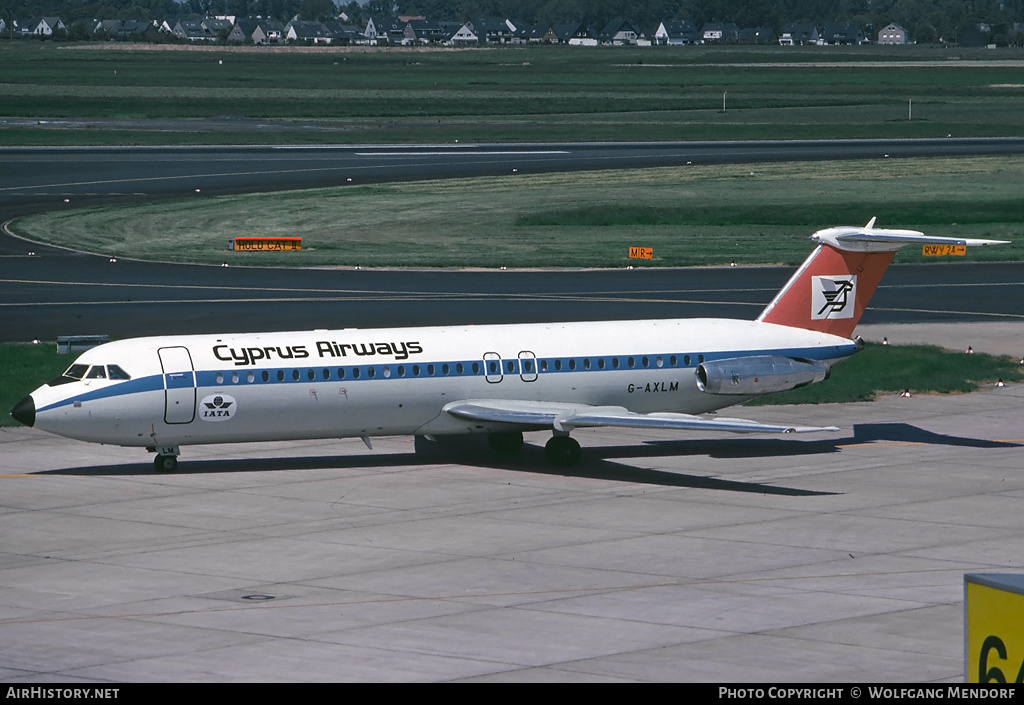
(833, 297)
(218, 407)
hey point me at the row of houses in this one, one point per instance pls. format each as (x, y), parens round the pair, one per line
(419, 30)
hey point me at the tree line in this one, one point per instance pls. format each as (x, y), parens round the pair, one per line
(926, 20)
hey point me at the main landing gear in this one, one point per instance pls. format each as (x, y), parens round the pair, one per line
(562, 451)
(166, 458)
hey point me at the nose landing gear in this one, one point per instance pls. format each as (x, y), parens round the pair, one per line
(166, 458)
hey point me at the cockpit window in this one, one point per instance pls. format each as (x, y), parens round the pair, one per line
(79, 372)
(115, 372)
(76, 371)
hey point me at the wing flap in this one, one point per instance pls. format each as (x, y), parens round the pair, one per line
(565, 417)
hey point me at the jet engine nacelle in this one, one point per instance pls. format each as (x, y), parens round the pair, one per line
(763, 374)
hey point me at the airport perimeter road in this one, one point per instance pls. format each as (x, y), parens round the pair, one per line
(661, 557)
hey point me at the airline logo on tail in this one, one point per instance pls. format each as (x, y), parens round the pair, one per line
(840, 276)
(833, 297)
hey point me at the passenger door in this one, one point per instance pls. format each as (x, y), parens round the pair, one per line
(179, 385)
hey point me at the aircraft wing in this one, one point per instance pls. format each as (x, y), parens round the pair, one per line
(565, 417)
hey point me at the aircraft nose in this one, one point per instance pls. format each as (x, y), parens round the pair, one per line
(25, 411)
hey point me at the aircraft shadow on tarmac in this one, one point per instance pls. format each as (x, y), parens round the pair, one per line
(598, 462)
(863, 434)
(906, 433)
(530, 460)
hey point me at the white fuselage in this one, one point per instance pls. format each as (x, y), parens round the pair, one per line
(369, 382)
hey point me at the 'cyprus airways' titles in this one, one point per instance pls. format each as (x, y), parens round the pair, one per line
(324, 348)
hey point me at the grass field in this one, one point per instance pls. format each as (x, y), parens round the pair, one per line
(709, 215)
(546, 93)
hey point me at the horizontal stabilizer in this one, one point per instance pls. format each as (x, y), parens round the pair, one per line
(565, 417)
(872, 239)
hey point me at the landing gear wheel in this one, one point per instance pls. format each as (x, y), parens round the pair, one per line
(562, 451)
(166, 463)
(505, 444)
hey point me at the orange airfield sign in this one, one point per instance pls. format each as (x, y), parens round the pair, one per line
(266, 244)
(944, 250)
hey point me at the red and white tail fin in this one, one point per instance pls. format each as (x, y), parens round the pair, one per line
(831, 289)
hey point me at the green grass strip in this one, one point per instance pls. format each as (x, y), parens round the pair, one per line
(23, 368)
(695, 215)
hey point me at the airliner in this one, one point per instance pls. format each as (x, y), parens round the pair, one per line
(162, 393)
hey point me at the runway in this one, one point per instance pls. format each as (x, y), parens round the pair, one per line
(831, 559)
(34, 178)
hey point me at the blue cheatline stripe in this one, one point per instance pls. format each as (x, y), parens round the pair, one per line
(510, 368)
(133, 386)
